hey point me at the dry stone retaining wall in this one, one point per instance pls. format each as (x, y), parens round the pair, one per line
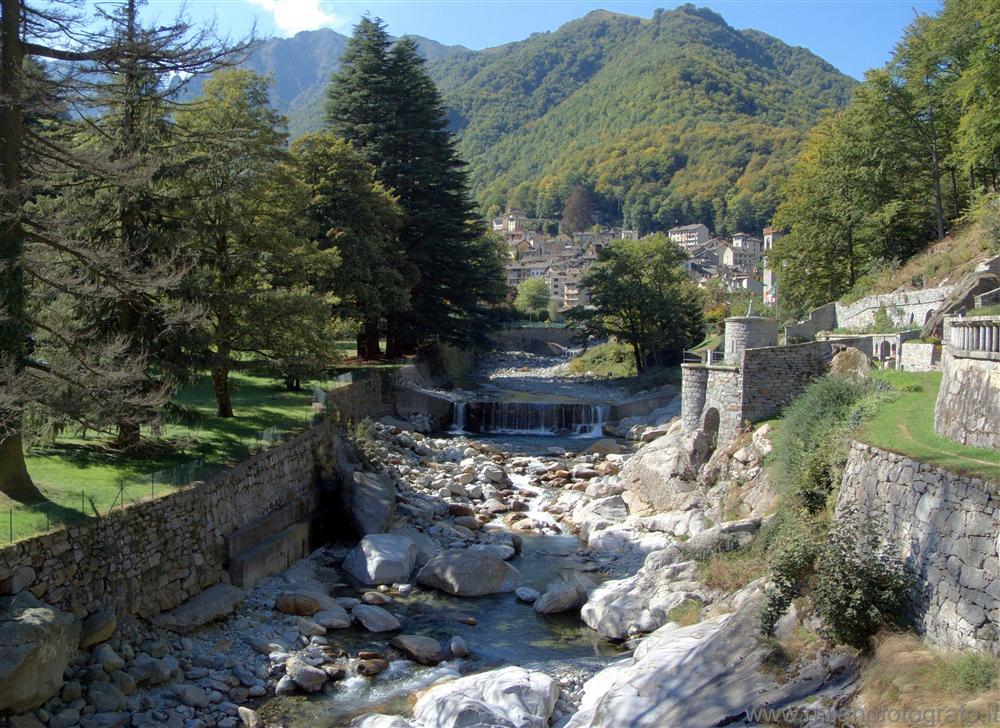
(155, 555)
(947, 527)
(968, 404)
(916, 357)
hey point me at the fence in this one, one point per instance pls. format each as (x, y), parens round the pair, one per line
(19, 520)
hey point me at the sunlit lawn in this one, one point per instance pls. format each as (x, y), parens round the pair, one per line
(78, 473)
(906, 426)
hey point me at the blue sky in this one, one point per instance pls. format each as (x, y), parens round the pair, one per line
(854, 35)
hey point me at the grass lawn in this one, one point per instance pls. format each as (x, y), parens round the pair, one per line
(905, 425)
(81, 477)
(614, 361)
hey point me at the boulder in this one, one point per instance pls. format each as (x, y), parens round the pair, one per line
(727, 536)
(565, 594)
(375, 619)
(705, 675)
(607, 446)
(526, 594)
(305, 603)
(336, 618)
(622, 608)
(424, 650)
(469, 574)
(105, 697)
(382, 558)
(372, 666)
(214, 603)
(511, 697)
(37, 642)
(663, 474)
(370, 500)
(458, 647)
(97, 628)
(850, 362)
(191, 695)
(305, 676)
(249, 717)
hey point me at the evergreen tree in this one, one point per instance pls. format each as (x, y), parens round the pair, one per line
(253, 267)
(355, 215)
(384, 102)
(46, 266)
(578, 214)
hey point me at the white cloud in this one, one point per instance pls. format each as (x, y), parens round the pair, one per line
(292, 16)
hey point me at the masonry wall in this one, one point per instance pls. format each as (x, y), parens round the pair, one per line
(909, 308)
(774, 376)
(920, 357)
(153, 556)
(822, 318)
(370, 395)
(968, 404)
(946, 526)
(724, 394)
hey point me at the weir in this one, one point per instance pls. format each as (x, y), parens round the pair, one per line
(530, 418)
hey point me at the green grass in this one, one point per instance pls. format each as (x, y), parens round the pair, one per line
(686, 613)
(985, 311)
(613, 360)
(905, 425)
(80, 476)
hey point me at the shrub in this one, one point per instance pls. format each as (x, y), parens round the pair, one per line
(686, 613)
(791, 556)
(859, 583)
(975, 673)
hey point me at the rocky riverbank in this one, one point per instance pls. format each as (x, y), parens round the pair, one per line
(490, 563)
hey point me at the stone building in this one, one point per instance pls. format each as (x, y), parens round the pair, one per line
(755, 379)
(968, 404)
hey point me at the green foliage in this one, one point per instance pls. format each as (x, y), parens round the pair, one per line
(680, 118)
(608, 359)
(917, 145)
(640, 295)
(383, 101)
(792, 550)
(532, 296)
(578, 214)
(686, 613)
(812, 443)
(860, 584)
(975, 673)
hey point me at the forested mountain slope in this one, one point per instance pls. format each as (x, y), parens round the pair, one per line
(676, 118)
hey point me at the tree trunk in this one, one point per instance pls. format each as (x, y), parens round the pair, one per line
(15, 483)
(129, 435)
(954, 194)
(938, 204)
(220, 380)
(394, 342)
(368, 341)
(637, 355)
(14, 328)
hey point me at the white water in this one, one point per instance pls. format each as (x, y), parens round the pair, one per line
(531, 418)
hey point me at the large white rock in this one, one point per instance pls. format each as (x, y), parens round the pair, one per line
(623, 608)
(37, 642)
(469, 574)
(663, 474)
(508, 698)
(382, 558)
(377, 720)
(375, 619)
(564, 594)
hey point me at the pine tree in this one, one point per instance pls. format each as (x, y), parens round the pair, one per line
(46, 266)
(384, 102)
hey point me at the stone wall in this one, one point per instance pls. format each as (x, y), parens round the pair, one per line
(946, 526)
(906, 308)
(774, 376)
(968, 404)
(153, 556)
(535, 339)
(369, 395)
(918, 357)
(723, 402)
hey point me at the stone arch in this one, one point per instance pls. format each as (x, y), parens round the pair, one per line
(710, 425)
(927, 316)
(883, 350)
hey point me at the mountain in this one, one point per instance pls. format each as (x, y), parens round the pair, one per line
(673, 119)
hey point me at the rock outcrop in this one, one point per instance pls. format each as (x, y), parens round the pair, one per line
(383, 558)
(469, 574)
(37, 642)
(663, 476)
(511, 697)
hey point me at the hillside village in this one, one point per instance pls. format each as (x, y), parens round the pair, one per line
(562, 260)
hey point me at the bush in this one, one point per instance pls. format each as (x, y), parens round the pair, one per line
(975, 673)
(812, 443)
(859, 583)
(791, 555)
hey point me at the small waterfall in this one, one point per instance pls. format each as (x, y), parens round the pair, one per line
(530, 418)
(458, 418)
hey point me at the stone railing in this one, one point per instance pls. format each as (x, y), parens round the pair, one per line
(974, 337)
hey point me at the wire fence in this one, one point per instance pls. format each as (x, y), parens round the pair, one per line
(24, 520)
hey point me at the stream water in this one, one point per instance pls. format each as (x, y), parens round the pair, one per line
(516, 415)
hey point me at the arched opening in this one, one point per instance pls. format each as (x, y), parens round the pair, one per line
(883, 350)
(710, 425)
(928, 316)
